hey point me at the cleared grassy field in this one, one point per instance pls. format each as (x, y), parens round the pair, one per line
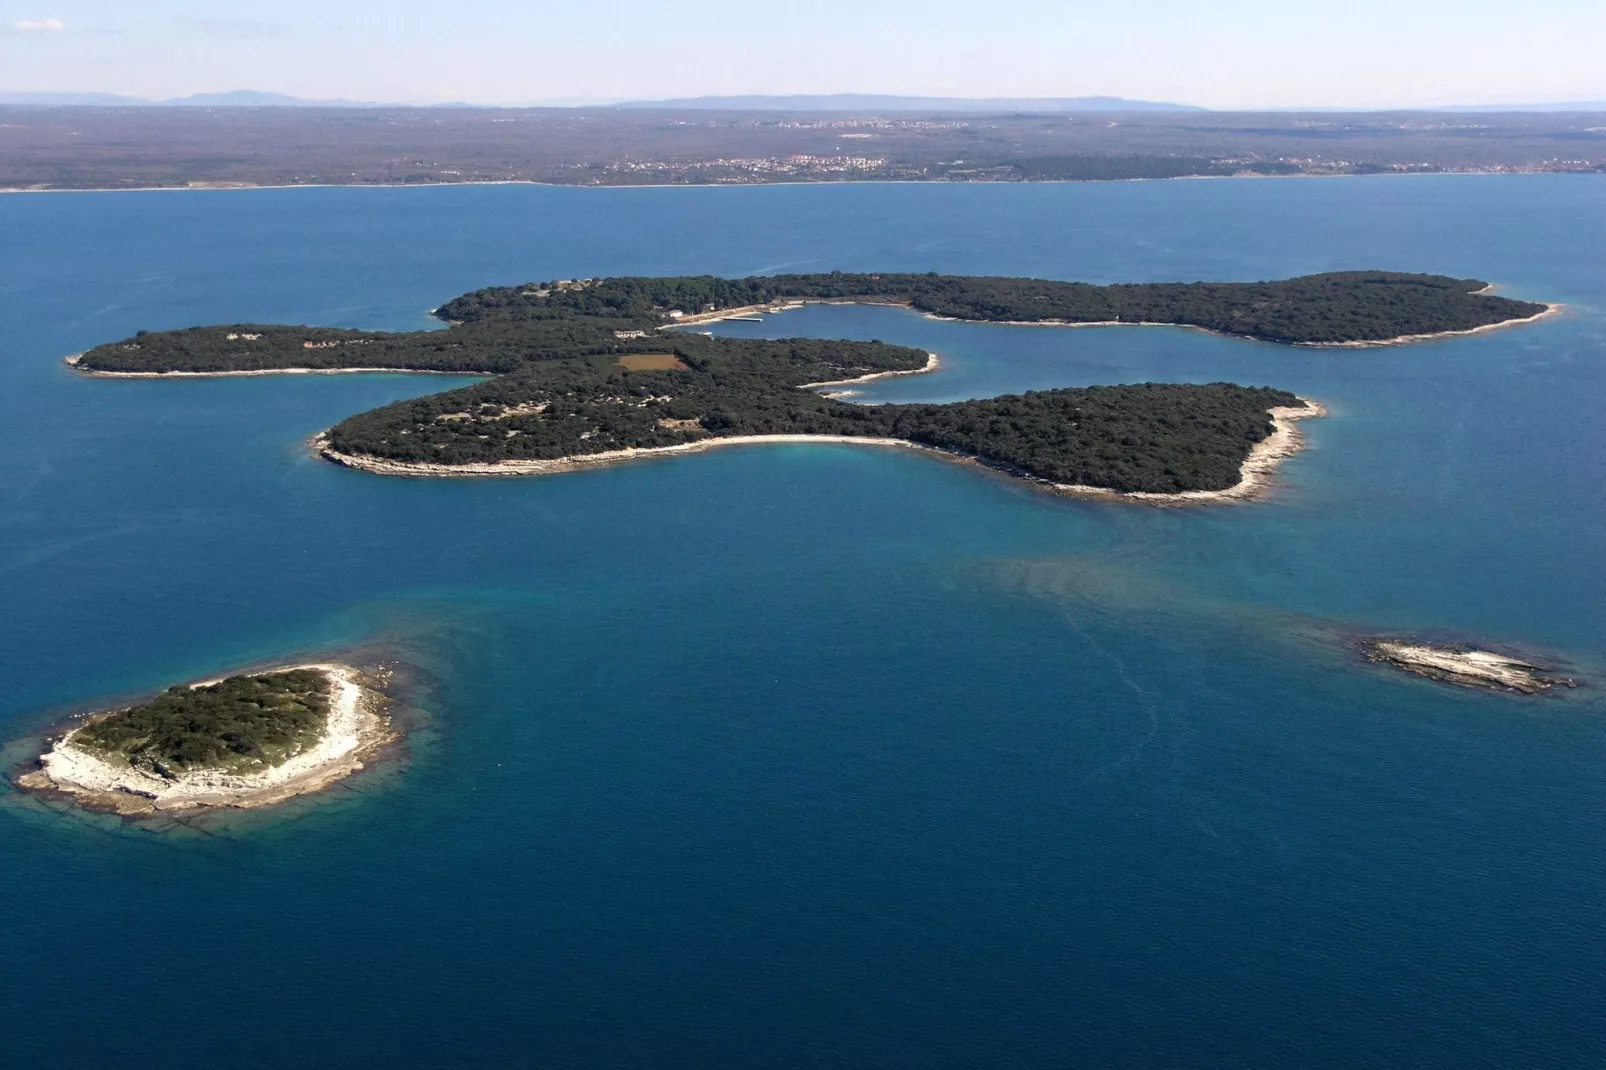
(652, 362)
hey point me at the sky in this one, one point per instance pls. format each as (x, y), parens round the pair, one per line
(1216, 53)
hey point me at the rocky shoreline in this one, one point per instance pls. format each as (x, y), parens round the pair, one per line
(747, 311)
(1465, 666)
(1407, 339)
(74, 361)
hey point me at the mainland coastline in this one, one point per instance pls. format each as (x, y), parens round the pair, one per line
(355, 730)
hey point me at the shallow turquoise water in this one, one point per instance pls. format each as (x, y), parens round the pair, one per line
(820, 754)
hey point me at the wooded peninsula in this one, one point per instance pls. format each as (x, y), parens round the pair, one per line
(587, 368)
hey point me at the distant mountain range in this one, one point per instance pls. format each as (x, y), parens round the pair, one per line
(1563, 106)
(826, 102)
(861, 102)
(240, 98)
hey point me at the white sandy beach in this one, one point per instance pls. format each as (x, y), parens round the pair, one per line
(933, 362)
(355, 730)
(381, 466)
(73, 363)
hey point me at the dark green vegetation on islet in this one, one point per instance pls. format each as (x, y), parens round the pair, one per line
(240, 725)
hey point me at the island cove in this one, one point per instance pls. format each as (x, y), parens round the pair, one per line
(242, 742)
(592, 372)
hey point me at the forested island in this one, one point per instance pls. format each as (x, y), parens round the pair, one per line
(244, 741)
(499, 329)
(586, 369)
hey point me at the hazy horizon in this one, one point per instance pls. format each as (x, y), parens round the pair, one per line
(820, 102)
(1250, 55)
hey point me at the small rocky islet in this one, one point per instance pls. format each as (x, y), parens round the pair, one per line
(245, 741)
(1465, 666)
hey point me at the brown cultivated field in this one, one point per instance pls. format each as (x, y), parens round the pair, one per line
(651, 362)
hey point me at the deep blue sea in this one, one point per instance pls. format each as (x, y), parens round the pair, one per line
(821, 755)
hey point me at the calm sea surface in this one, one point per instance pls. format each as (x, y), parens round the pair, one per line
(820, 755)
